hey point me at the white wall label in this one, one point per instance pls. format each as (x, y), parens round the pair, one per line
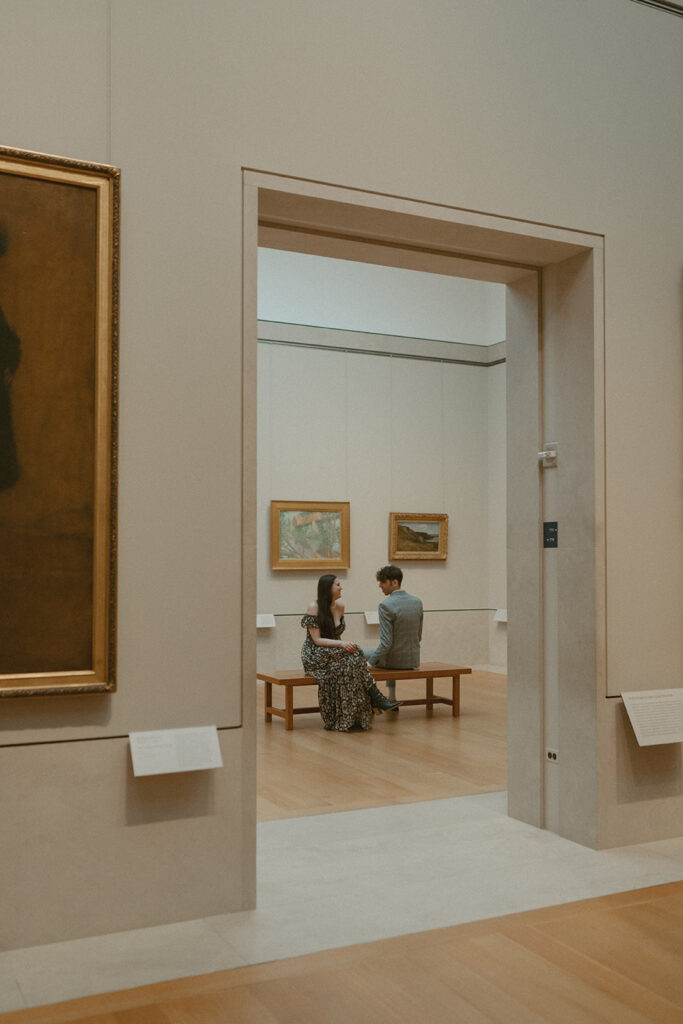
(656, 715)
(372, 618)
(175, 750)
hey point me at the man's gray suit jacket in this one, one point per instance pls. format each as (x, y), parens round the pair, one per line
(400, 632)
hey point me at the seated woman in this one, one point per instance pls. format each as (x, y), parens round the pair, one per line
(346, 691)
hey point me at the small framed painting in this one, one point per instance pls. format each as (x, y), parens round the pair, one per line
(416, 536)
(309, 535)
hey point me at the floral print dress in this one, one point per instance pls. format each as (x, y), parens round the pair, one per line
(343, 680)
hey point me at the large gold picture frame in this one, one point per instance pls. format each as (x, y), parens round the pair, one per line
(59, 262)
(417, 536)
(309, 535)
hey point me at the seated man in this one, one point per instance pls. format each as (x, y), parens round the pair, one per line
(400, 626)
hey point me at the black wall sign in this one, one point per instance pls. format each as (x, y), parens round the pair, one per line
(550, 535)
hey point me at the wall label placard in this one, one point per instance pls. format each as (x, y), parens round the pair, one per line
(656, 715)
(161, 751)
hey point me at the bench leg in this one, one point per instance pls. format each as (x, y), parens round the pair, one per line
(289, 707)
(268, 701)
(456, 695)
(430, 693)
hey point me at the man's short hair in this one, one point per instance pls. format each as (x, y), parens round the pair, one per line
(389, 572)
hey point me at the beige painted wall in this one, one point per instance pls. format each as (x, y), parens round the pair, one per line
(386, 434)
(299, 288)
(546, 111)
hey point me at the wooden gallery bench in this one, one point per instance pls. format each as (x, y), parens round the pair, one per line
(429, 671)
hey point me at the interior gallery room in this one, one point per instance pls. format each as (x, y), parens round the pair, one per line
(295, 290)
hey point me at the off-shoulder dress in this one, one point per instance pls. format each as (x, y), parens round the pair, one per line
(343, 680)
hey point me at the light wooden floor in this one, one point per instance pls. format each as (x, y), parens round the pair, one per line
(613, 960)
(408, 755)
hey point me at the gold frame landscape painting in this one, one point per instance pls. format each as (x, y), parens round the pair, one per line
(309, 535)
(58, 400)
(417, 536)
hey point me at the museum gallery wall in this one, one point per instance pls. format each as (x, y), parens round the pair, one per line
(387, 435)
(497, 105)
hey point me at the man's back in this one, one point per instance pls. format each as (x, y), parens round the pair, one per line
(400, 619)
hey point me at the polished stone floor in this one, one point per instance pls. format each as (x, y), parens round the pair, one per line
(337, 879)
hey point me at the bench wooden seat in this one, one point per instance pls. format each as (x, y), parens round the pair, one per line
(429, 671)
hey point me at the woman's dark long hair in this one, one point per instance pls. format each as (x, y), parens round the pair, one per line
(325, 616)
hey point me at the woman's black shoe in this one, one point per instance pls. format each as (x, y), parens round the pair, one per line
(378, 700)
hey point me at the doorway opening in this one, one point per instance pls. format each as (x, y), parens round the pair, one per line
(385, 386)
(554, 364)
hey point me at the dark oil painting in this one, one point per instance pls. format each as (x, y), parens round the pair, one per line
(418, 536)
(48, 311)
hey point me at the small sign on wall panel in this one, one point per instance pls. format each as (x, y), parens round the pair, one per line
(550, 535)
(372, 618)
(265, 621)
(656, 715)
(175, 750)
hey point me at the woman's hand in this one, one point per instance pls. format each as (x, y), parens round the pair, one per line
(349, 646)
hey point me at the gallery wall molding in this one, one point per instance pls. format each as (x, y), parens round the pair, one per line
(333, 339)
(361, 611)
(385, 355)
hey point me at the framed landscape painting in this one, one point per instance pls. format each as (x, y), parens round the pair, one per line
(417, 536)
(58, 400)
(309, 535)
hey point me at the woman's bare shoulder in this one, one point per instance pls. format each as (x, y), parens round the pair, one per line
(312, 608)
(339, 605)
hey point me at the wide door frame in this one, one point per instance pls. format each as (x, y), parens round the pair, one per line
(530, 258)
